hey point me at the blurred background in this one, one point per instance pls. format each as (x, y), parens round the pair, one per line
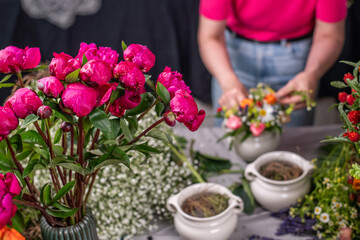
(167, 27)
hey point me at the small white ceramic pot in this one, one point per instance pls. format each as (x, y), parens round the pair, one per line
(275, 195)
(218, 227)
(252, 147)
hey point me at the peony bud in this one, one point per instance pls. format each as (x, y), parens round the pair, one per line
(141, 56)
(13, 59)
(184, 106)
(24, 102)
(79, 98)
(50, 86)
(169, 118)
(129, 75)
(44, 112)
(95, 73)
(62, 64)
(172, 81)
(66, 126)
(9, 122)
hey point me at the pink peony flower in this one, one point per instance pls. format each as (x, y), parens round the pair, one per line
(13, 59)
(9, 122)
(93, 53)
(184, 106)
(233, 122)
(9, 188)
(129, 100)
(196, 123)
(96, 72)
(257, 128)
(51, 86)
(129, 75)
(79, 98)
(116, 109)
(172, 81)
(169, 118)
(141, 56)
(24, 102)
(62, 64)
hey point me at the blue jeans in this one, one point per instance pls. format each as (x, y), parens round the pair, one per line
(272, 64)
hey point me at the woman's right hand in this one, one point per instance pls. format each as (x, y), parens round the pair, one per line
(233, 95)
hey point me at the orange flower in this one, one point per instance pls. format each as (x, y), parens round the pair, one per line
(356, 184)
(270, 99)
(7, 233)
(246, 102)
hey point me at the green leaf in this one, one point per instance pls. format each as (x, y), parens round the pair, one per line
(58, 150)
(5, 85)
(147, 99)
(65, 189)
(29, 119)
(109, 162)
(57, 136)
(100, 120)
(30, 167)
(355, 171)
(73, 76)
(163, 93)
(24, 155)
(338, 84)
(336, 139)
(62, 207)
(350, 63)
(133, 124)
(45, 194)
(157, 134)
(150, 84)
(16, 141)
(84, 60)
(35, 69)
(159, 109)
(7, 77)
(60, 213)
(124, 127)
(43, 153)
(211, 163)
(76, 167)
(5, 163)
(32, 136)
(95, 162)
(145, 148)
(123, 45)
(121, 155)
(17, 222)
(243, 192)
(58, 112)
(115, 128)
(354, 84)
(116, 94)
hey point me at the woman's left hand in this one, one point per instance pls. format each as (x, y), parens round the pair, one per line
(303, 81)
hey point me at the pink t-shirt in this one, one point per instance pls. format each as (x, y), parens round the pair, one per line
(271, 20)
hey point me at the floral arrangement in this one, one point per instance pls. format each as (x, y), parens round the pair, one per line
(93, 103)
(258, 113)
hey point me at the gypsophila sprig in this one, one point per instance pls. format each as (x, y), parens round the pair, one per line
(83, 117)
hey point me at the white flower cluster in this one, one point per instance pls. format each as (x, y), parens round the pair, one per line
(127, 203)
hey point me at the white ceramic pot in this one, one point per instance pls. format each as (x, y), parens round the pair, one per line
(218, 227)
(274, 195)
(252, 147)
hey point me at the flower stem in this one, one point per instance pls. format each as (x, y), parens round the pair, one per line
(147, 130)
(187, 162)
(19, 76)
(149, 108)
(91, 185)
(40, 132)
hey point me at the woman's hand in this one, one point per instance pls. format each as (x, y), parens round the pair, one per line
(232, 95)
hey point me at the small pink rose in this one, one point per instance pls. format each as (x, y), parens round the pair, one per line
(129, 75)
(51, 86)
(80, 99)
(233, 122)
(9, 122)
(24, 102)
(13, 59)
(95, 73)
(141, 56)
(62, 64)
(257, 129)
(184, 106)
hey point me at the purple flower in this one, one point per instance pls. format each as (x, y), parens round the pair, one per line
(80, 99)
(13, 59)
(141, 56)
(62, 64)
(96, 72)
(24, 102)
(50, 86)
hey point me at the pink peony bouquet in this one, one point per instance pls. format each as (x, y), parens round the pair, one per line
(80, 118)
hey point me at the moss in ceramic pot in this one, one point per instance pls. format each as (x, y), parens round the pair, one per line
(205, 204)
(280, 170)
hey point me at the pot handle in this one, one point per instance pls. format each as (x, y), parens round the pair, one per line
(250, 172)
(238, 204)
(308, 166)
(171, 204)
